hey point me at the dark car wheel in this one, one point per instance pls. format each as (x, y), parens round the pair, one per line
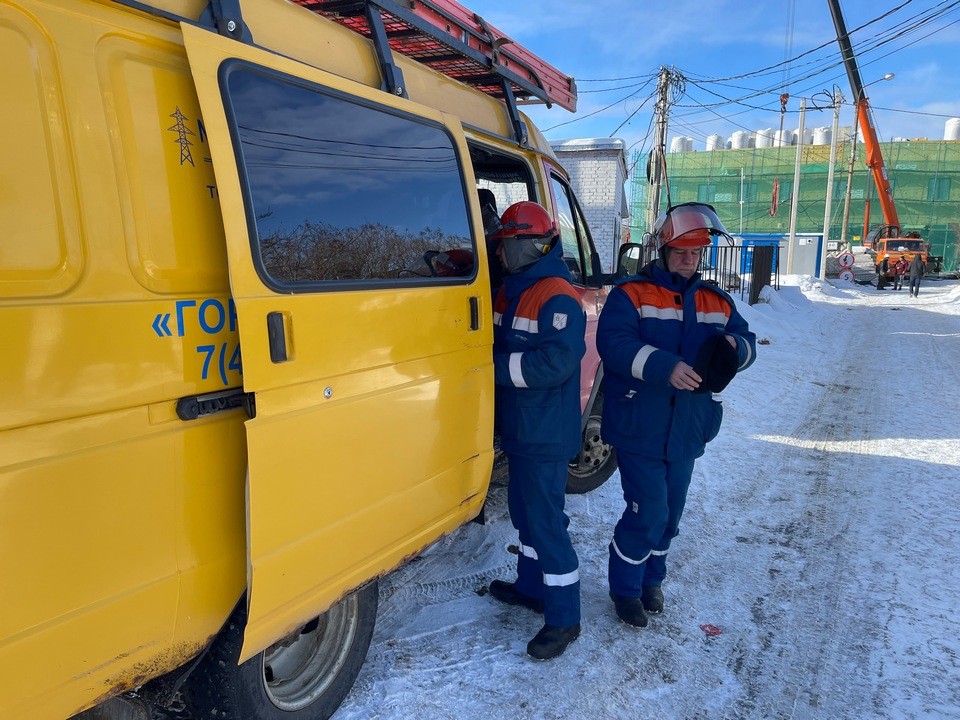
(596, 460)
(304, 676)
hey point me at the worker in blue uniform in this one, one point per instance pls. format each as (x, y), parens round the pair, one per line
(538, 332)
(669, 341)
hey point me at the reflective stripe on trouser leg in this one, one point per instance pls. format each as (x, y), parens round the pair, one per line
(678, 482)
(645, 518)
(529, 577)
(537, 493)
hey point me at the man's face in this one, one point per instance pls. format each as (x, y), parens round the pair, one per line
(684, 261)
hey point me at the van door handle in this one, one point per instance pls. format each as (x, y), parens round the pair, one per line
(474, 313)
(277, 337)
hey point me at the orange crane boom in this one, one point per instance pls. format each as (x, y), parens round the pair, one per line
(874, 157)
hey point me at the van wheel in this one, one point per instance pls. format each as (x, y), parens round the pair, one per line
(304, 676)
(596, 461)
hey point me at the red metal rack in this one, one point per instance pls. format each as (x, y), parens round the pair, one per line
(451, 39)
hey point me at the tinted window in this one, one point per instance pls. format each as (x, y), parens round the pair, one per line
(577, 249)
(568, 230)
(341, 191)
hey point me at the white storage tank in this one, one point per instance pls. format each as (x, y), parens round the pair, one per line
(681, 143)
(807, 136)
(740, 140)
(951, 129)
(764, 138)
(716, 142)
(783, 138)
(822, 135)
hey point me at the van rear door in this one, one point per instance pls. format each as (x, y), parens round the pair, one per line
(361, 302)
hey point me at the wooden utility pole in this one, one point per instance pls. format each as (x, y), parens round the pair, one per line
(658, 160)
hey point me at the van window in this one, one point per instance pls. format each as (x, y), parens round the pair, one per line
(508, 178)
(340, 191)
(577, 249)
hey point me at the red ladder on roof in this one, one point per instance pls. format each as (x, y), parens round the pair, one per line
(451, 39)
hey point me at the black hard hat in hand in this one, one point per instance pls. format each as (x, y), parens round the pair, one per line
(716, 363)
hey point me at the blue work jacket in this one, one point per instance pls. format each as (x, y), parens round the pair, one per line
(539, 324)
(650, 322)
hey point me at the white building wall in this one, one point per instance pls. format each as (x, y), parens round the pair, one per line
(598, 172)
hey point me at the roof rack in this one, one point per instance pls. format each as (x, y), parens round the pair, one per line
(451, 39)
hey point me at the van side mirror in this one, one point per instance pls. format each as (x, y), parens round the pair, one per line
(628, 260)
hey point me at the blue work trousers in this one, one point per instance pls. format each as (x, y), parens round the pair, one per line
(655, 491)
(547, 566)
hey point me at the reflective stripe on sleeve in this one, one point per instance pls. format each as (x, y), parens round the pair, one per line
(516, 370)
(649, 311)
(528, 551)
(525, 325)
(636, 369)
(561, 580)
(497, 317)
(713, 318)
(626, 559)
(749, 356)
(659, 552)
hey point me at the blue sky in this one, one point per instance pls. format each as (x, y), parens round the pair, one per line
(602, 40)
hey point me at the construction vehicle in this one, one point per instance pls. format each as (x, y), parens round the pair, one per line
(886, 239)
(247, 309)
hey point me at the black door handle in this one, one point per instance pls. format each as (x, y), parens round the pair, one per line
(277, 337)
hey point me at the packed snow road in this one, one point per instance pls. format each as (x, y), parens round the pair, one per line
(820, 539)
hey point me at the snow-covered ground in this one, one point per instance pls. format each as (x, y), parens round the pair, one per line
(821, 536)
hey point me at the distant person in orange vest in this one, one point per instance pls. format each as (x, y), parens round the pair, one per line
(899, 270)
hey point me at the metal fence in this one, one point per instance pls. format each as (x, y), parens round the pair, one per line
(742, 270)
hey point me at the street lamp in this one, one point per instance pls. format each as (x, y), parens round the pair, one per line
(853, 155)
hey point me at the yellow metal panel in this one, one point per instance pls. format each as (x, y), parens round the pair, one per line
(122, 528)
(41, 244)
(168, 193)
(138, 558)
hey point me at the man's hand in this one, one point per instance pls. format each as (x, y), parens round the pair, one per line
(684, 378)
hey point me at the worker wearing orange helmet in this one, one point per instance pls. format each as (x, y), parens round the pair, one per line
(669, 341)
(538, 336)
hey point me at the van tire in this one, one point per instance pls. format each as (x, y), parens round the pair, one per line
(596, 460)
(318, 664)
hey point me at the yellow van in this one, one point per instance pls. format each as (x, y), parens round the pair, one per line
(237, 386)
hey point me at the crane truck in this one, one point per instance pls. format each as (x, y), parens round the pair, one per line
(887, 240)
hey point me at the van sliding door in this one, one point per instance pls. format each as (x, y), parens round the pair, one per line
(355, 271)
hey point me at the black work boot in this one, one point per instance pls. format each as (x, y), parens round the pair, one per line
(652, 599)
(507, 593)
(551, 641)
(630, 610)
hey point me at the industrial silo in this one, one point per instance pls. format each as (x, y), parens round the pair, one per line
(681, 143)
(807, 136)
(822, 135)
(951, 129)
(783, 138)
(740, 140)
(764, 138)
(716, 142)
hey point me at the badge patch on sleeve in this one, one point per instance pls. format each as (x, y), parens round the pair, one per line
(559, 320)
